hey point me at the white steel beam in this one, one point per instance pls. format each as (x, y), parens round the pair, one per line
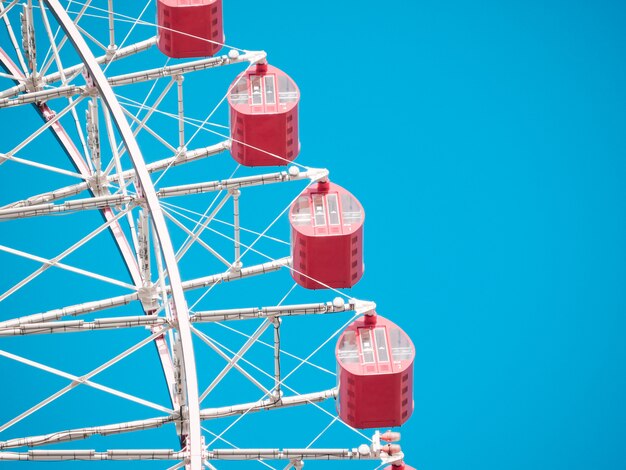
(151, 423)
(29, 43)
(236, 228)
(230, 184)
(77, 69)
(65, 91)
(231, 275)
(181, 113)
(67, 455)
(112, 302)
(277, 381)
(268, 404)
(84, 433)
(111, 26)
(99, 202)
(364, 452)
(242, 182)
(121, 176)
(125, 79)
(49, 196)
(136, 272)
(72, 326)
(185, 67)
(71, 310)
(336, 306)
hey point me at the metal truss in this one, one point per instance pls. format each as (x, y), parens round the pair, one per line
(110, 176)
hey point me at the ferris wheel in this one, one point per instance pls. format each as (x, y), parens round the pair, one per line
(122, 225)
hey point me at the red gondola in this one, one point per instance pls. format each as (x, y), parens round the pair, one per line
(327, 237)
(264, 117)
(375, 373)
(190, 28)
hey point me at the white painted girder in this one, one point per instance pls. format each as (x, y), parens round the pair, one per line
(112, 302)
(68, 91)
(19, 211)
(151, 423)
(364, 452)
(160, 165)
(76, 69)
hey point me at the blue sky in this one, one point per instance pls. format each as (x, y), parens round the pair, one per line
(486, 143)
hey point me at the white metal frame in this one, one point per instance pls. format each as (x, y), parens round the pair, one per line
(171, 332)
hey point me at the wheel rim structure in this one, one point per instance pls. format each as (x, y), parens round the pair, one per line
(119, 194)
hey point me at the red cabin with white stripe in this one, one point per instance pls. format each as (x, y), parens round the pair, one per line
(375, 373)
(326, 237)
(264, 117)
(190, 28)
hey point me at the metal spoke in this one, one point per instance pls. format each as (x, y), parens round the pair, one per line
(199, 229)
(198, 240)
(362, 453)
(84, 433)
(4, 157)
(77, 381)
(18, 51)
(293, 174)
(80, 14)
(112, 302)
(141, 124)
(205, 339)
(100, 202)
(336, 306)
(43, 128)
(185, 67)
(94, 40)
(75, 70)
(57, 58)
(144, 126)
(59, 257)
(5, 9)
(72, 326)
(248, 344)
(81, 380)
(86, 455)
(66, 267)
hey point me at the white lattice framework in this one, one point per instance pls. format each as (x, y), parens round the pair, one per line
(83, 105)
